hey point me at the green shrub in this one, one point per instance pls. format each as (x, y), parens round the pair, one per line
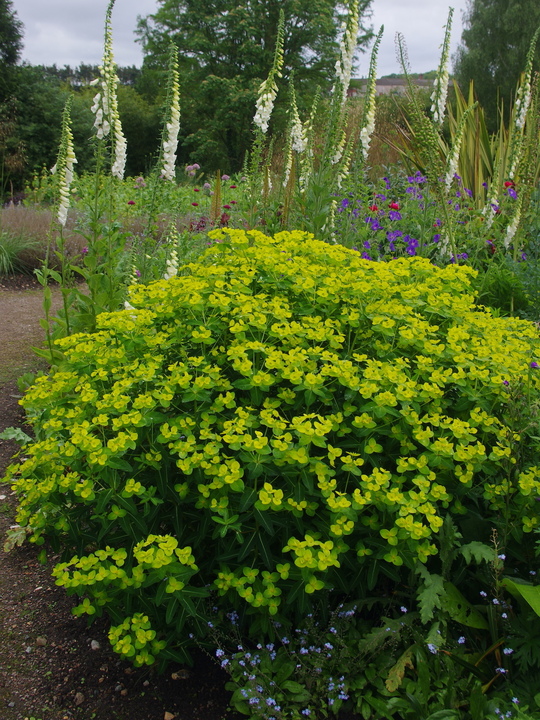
(283, 422)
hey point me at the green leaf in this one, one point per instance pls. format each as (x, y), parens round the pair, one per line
(529, 593)
(13, 433)
(460, 609)
(430, 597)
(119, 464)
(292, 686)
(477, 551)
(444, 714)
(284, 672)
(171, 611)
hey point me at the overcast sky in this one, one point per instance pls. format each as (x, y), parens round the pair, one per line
(69, 32)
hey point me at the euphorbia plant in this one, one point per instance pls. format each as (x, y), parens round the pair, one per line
(282, 419)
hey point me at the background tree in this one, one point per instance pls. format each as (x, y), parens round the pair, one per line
(226, 50)
(494, 45)
(11, 43)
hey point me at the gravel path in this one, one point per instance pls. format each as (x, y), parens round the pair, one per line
(20, 330)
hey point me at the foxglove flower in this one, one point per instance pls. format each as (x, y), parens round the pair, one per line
(368, 121)
(64, 165)
(347, 46)
(453, 157)
(440, 92)
(105, 107)
(172, 127)
(268, 89)
(513, 226)
(172, 261)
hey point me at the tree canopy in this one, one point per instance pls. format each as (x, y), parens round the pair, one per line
(226, 49)
(11, 44)
(493, 50)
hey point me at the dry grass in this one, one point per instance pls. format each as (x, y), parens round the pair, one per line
(34, 225)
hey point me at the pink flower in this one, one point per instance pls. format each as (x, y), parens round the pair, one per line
(196, 190)
(131, 202)
(84, 251)
(225, 177)
(233, 187)
(373, 208)
(393, 206)
(195, 204)
(226, 207)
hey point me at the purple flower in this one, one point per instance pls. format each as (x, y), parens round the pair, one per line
(534, 364)
(505, 382)
(512, 193)
(394, 215)
(225, 177)
(84, 251)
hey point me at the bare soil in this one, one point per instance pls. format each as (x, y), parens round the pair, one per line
(54, 666)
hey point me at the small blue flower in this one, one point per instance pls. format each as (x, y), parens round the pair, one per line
(508, 651)
(432, 648)
(306, 711)
(462, 640)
